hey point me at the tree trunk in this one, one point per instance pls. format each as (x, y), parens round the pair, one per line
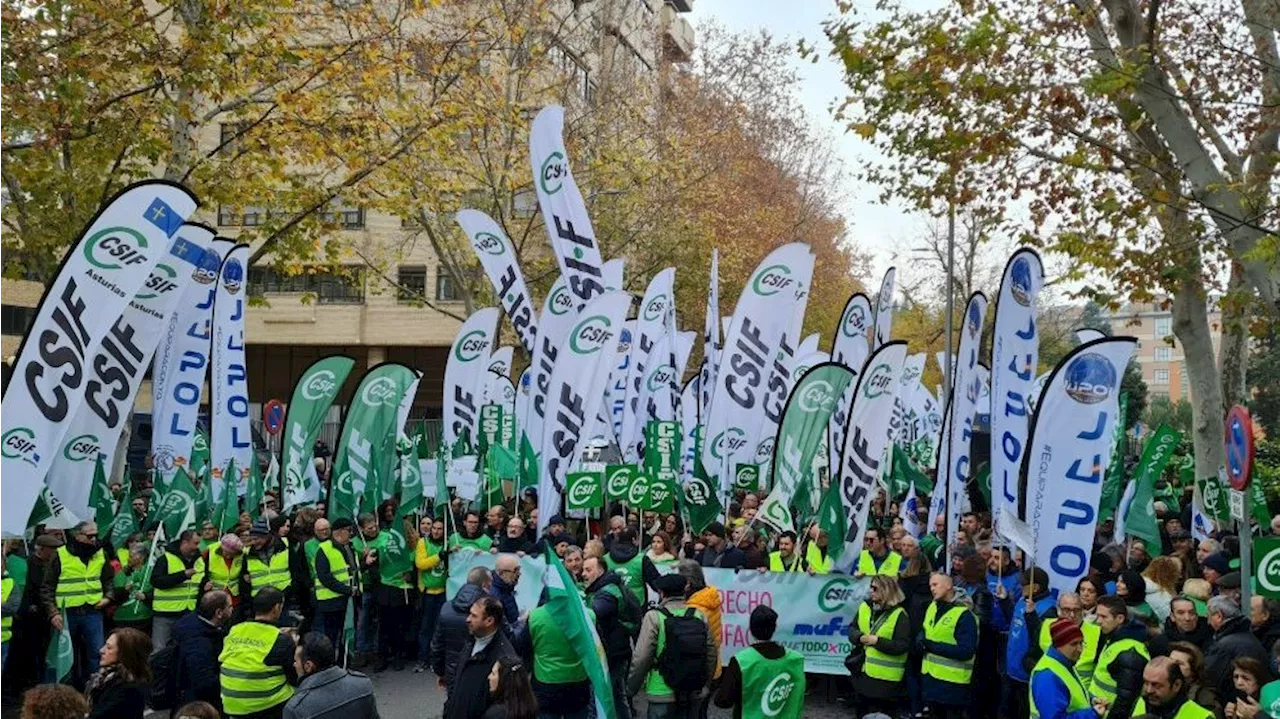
(1191, 327)
(1233, 351)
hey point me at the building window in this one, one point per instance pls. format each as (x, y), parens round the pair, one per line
(16, 320)
(1161, 377)
(242, 216)
(412, 284)
(345, 288)
(1164, 353)
(446, 288)
(1164, 327)
(231, 138)
(347, 218)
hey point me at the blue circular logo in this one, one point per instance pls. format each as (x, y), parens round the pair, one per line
(1091, 378)
(1020, 281)
(232, 275)
(975, 318)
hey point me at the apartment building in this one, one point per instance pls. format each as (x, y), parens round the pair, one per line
(1159, 354)
(375, 314)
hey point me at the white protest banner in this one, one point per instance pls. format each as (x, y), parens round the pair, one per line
(849, 347)
(103, 269)
(652, 323)
(180, 366)
(884, 307)
(577, 391)
(615, 392)
(558, 311)
(229, 437)
(498, 258)
(611, 274)
(500, 360)
(765, 311)
(710, 334)
(867, 439)
(964, 400)
(115, 370)
(1015, 354)
(1070, 446)
(690, 425)
(563, 209)
(465, 374)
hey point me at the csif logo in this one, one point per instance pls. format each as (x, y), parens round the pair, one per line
(590, 335)
(553, 173)
(20, 443)
(776, 694)
(855, 322)
(162, 280)
(1269, 565)
(471, 346)
(836, 594)
(232, 276)
(200, 443)
(697, 491)
(731, 439)
(660, 377)
(322, 384)
(583, 490)
(816, 396)
(490, 243)
(380, 392)
(343, 484)
(618, 481)
(1020, 281)
(81, 448)
(638, 490)
(660, 493)
(114, 247)
(177, 504)
(561, 301)
(1091, 378)
(654, 308)
(772, 280)
(879, 381)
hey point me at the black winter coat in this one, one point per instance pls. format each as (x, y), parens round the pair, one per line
(198, 646)
(1233, 641)
(616, 640)
(469, 685)
(898, 645)
(451, 631)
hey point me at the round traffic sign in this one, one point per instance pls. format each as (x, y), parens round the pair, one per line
(273, 416)
(1239, 446)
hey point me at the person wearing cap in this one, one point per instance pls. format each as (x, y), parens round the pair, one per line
(651, 643)
(1057, 692)
(1024, 627)
(1229, 586)
(32, 628)
(1117, 678)
(226, 566)
(176, 578)
(1232, 640)
(876, 557)
(717, 552)
(752, 677)
(949, 643)
(267, 563)
(335, 583)
(1164, 693)
(1213, 566)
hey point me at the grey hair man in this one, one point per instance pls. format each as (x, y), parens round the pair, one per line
(1232, 639)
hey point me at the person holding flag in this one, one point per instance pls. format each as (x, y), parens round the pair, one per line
(85, 582)
(335, 583)
(267, 563)
(177, 577)
(133, 592)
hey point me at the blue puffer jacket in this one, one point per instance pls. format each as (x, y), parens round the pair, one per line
(1024, 630)
(1012, 583)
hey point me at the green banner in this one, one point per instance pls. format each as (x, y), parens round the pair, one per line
(701, 501)
(1113, 481)
(312, 396)
(746, 477)
(802, 430)
(409, 475)
(178, 503)
(100, 500)
(584, 490)
(228, 511)
(366, 450)
(617, 480)
(638, 491)
(1141, 520)
(490, 426)
(200, 454)
(1214, 497)
(124, 523)
(1266, 567)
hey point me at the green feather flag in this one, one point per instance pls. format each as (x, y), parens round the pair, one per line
(100, 495)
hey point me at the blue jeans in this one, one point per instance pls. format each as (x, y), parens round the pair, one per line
(86, 639)
(366, 625)
(431, 604)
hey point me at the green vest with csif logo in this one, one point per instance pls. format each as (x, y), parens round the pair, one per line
(771, 688)
(631, 572)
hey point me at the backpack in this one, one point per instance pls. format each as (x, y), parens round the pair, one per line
(682, 663)
(629, 610)
(164, 675)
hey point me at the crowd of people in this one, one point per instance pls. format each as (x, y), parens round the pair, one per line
(278, 617)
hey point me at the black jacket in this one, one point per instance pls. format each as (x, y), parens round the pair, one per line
(507, 545)
(898, 645)
(730, 692)
(115, 698)
(469, 684)
(1231, 642)
(198, 646)
(1268, 634)
(162, 579)
(730, 558)
(616, 640)
(451, 631)
(1200, 636)
(1127, 667)
(324, 575)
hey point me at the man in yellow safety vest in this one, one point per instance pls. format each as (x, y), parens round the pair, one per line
(177, 578)
(257, 673)
(876, 557)
(267, 564)
(1056, 689)
(1164, 690)
(85, 582)
(786, 559)
(949, 639)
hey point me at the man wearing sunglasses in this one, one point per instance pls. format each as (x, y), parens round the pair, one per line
(84, 581)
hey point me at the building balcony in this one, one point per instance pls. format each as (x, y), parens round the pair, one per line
(677, 35)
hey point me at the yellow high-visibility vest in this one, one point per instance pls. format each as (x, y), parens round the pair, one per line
(943, 630)
(79, 583)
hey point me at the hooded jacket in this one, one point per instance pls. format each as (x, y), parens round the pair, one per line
(608, 611)
(451, 631)
(707, 600)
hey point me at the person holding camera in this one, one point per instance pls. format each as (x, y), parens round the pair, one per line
(881, 637)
